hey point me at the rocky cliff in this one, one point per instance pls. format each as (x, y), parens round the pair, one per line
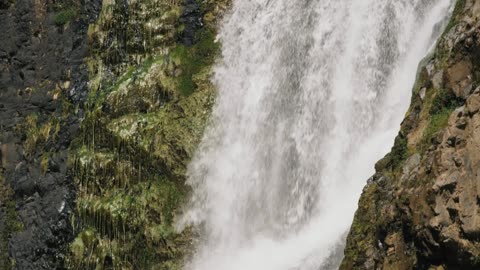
(150, 97)
(102, 104)
(421, 208)
(42, 77)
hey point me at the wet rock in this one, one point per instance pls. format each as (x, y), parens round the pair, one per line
(150, 68)
(36, 56)
(192, 19)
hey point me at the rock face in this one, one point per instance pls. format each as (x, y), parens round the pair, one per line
(41, 77)
(150, 98)
(102, 103)
(421, 209)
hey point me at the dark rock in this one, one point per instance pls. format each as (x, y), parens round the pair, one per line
(192, 19)
(34, 57)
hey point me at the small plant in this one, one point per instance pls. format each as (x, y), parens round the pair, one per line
(444, 100)
(437, 122)
(44, 162)
(443, 104)
(399, 152)
(64, 16)
(393, 160)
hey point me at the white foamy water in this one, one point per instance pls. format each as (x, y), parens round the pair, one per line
(311, 95)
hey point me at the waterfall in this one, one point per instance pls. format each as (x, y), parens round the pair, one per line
(311, 95)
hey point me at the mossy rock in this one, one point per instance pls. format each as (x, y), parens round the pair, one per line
(146, 113)
(65, 16)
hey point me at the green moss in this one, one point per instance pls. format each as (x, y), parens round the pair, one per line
(394, 160)
(440, 107)
(142, 125)
(437, 122)
(363, 231)
(443, 54)
(193, 59)
(171, 134)
(64, 16)
(459, 6)
(97, 97)
(129, 225)
(127, 180)
(444, 100)
(399, 151)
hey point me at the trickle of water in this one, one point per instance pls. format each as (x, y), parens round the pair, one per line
(311, 95)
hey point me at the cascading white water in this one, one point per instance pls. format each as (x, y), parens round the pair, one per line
(311, 95)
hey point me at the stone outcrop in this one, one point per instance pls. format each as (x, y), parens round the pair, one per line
(421, 208)
(42, 45)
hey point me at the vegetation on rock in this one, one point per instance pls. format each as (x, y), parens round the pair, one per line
(420, 204)
(149, 102)
(65, 16)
